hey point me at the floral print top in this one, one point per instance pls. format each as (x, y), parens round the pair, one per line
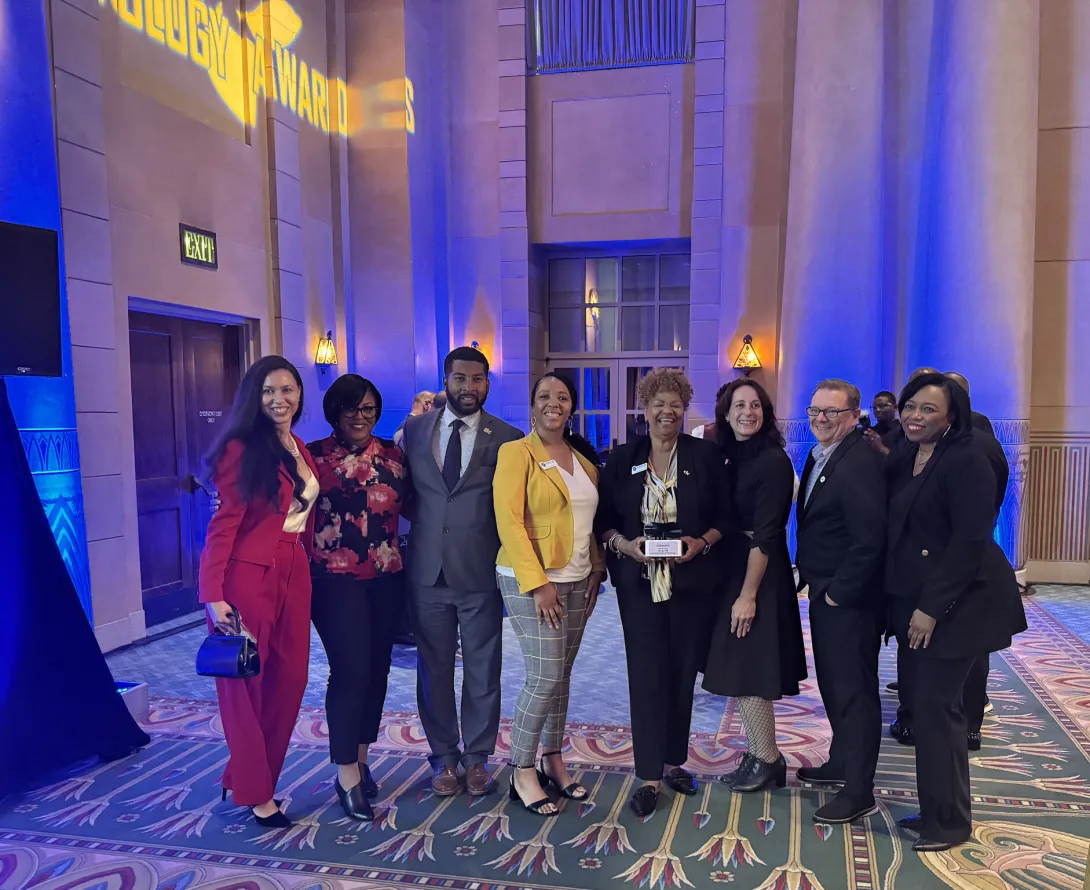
(361, 492)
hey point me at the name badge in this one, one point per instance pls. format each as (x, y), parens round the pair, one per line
(547, 464)
(641, 468)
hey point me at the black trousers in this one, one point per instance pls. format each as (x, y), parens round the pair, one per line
(665, 646)
(975, 695)
(846, 643)
(937, 688)
(356, 621)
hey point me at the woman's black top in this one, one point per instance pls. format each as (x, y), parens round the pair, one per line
(770, 661)
(942, 557)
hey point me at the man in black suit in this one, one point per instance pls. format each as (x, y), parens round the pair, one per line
(976, 686)
(841, 538)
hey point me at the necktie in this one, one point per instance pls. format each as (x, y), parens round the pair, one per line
(452, 463)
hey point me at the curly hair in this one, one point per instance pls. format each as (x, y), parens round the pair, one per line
(665, 380)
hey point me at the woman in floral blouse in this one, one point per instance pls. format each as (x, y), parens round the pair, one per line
(355, 563)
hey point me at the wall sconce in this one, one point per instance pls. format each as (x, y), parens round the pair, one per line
(747, 357)
(327, 352)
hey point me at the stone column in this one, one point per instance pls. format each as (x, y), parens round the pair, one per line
(972, 310)
(830, 319)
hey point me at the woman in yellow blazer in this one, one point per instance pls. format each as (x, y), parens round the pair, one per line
(549, 569)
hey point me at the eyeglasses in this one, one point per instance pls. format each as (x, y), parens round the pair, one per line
(830, 413)
(367, 411)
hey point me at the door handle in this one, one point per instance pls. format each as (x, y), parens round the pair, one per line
(191, 485)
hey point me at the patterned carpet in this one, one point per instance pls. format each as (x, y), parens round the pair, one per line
(156, 820)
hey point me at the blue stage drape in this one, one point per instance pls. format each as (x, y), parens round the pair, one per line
(577, 35)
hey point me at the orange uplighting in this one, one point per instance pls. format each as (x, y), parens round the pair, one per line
(747, 356)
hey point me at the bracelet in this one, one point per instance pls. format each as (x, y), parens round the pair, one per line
(611, 544)
(707, 546)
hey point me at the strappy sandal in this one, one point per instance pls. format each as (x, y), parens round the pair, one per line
(574, 791)
(537, 806)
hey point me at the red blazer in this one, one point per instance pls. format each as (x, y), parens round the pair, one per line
(242, 532)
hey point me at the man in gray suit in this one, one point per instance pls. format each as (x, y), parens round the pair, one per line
(453, 546)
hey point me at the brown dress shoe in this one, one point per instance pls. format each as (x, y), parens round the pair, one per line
(478, 781)
(445, 781)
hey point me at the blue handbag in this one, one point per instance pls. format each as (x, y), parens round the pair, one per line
(229, 656)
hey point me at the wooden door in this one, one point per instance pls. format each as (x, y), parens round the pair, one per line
(184, 375)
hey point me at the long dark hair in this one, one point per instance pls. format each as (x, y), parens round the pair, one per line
(960, 408)
(576, 441)
(769, 434)
(263, 454)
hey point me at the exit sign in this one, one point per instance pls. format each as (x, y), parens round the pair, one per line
(198, 247)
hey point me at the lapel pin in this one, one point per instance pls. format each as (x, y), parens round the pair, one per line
(686, 472)
(488, 430)
(822, 479)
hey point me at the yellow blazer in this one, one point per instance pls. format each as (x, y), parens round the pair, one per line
(534, 514)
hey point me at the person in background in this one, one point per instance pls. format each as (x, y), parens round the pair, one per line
(549, 570)
(952, 594)
(422, 403)
(254, 572)
(841, 545)
(980, 421)
(884, 408)
(453, 544)
(664, 485)
(438, 402)
(756, 653)
(356, 567)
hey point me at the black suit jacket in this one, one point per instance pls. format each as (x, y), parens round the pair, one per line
(841, 536)
(704, 501)
(941, 556)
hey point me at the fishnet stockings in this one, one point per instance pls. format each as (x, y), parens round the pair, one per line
(759, 721)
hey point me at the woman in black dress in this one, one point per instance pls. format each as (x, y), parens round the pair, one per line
(757, 653)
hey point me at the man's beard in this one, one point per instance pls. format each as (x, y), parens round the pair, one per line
(455, 406)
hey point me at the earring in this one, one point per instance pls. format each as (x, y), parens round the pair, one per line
(533, 423)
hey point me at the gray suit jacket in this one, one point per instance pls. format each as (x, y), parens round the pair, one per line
(454, 531)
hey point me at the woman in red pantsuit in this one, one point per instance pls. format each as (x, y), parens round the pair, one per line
(254, 562)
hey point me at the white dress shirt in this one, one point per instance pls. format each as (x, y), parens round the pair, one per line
(468, 434)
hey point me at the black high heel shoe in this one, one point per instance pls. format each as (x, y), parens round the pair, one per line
(354, 802)
(367, 782)
(743, 765)
(223, 797)
(758, 775)
(538, 806)
(574, 791)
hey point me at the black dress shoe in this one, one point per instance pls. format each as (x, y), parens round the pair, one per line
(682, 781)
(758, 775)
(276, 820)
(912, 823)
(975, 740)
(354, 802)
(902, 733)
(367, 782)
(894, 686)
(825, 774)
(644, 801)
(728, 778)
(926, 845)
(842, 809)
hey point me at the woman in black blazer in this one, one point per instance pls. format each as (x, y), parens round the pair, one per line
(664, 485)
(953, 596)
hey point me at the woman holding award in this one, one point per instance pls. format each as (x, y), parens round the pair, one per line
(664, 504)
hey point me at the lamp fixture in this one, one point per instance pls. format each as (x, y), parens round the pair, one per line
(747, 357)
(327, 352)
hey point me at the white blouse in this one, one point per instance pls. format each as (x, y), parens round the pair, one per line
(296, 521)
(583, 498)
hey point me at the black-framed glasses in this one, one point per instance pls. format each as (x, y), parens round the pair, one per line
(830, 413)
(367, 411)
